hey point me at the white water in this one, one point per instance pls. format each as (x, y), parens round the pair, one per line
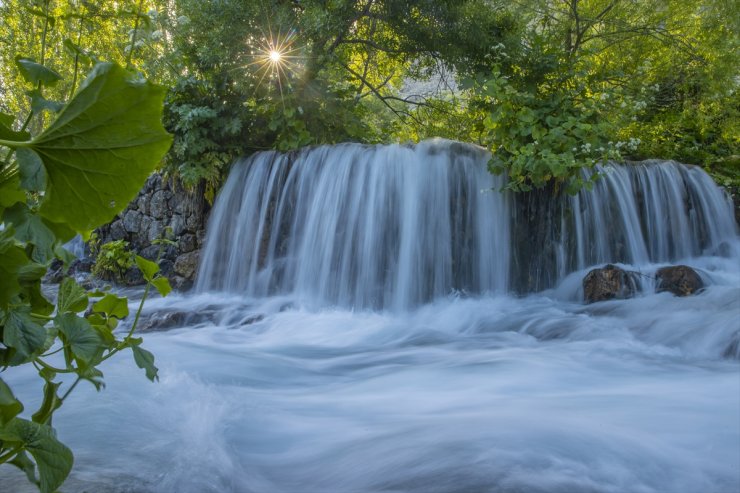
(489, 393)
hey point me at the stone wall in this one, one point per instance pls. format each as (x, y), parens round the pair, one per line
(160, 204)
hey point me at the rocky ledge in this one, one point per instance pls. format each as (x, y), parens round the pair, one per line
(161, 204)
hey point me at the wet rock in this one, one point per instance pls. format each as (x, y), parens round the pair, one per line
(55, 273)
(607, 283)
(187, 264)
(81, 265)
(680, 280)
(179, 283)
(158, 204)
(164, 321)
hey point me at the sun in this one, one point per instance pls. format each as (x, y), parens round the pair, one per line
(275, 56)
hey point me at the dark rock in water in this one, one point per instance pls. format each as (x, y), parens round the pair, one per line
(180, 283)
(133, 277)
(607, 283)
(680, 280)
(81, 265)
(164, 321)
(187, 264)
(55, 274)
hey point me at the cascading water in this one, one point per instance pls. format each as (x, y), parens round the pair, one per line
(395, 226)
(288, 379)
(385, 226)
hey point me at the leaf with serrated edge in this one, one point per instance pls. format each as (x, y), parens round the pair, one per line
(82, 338)
(53, 458)
(72, 297)
(101, 147)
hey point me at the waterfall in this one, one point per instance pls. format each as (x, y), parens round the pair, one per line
(399, 225)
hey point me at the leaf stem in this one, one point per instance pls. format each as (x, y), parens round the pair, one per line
(13, 451)
(69, 390)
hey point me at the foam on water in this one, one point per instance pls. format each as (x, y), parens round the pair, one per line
(293, 374)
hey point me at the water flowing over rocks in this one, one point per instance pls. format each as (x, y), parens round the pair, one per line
(607, 283)
(680, 280)
(162, 204)
(396, 226)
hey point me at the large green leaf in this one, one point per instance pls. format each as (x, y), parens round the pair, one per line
(23, 334)
(53, 458)
(83, 339)
(72, 297)
(35, 73)
(31, 170)
(101, 147)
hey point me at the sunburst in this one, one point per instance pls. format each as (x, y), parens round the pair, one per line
(276, 58)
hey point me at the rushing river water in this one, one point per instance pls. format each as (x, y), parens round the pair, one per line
(308, 382)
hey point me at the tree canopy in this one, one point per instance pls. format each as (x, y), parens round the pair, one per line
(550, 86)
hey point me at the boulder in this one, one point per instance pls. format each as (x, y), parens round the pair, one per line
(607, 283)
(132, 221)
(187, 264)
(680, 280)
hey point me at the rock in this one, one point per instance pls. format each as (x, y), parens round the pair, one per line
(163, 321)
(81, 265)
(55, 273)
(117, 231)
(132, 221)
(179, 283)
(155, 230)
(158, 205)
(680, 280)
(187, 243)
(187, 264)
(133, 277)
(609, 282)
(177, 224)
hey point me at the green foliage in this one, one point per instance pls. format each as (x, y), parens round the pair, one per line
(112, 260)
(64, 177)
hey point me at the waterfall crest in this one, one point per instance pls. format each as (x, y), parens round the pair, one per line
(399, 225)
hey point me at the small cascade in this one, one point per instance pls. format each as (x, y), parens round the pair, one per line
(391, 227)
(359, 226)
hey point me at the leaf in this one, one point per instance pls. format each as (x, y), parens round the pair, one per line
(31, 170)
(7, 132)
(39, 103)
(147, 267)
(35, 73)
(113, 306)
(53, 458)
(51, 403)
(83, 339)
(10, 407)
(30, 228)
(23, 334)
(22, 462)
(162, 285)
(101, 147)
(12, 258)
(72, 297)
(144, 359)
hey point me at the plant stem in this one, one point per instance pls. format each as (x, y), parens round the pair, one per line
(133, 36)
(69, 390)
